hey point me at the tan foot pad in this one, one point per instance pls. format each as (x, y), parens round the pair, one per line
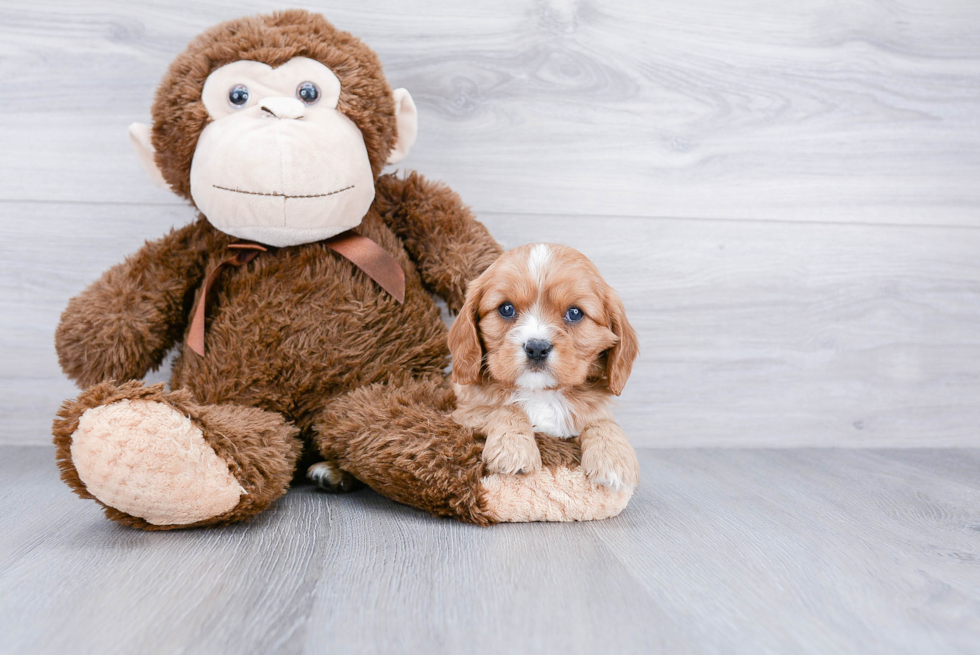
(146, 459)
(560, 495)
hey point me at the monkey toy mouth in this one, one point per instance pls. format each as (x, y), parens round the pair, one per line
(277, 194)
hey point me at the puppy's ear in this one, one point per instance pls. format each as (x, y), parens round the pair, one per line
(464, 337)
(620, 358)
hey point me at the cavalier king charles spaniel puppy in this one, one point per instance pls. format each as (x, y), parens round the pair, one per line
(541, 345)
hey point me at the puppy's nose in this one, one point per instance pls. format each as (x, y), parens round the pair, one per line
(537, 349)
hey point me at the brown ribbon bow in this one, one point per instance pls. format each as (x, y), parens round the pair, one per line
(364, 253)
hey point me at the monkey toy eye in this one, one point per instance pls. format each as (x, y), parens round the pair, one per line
(308, 92)
(507, 310)
(238, 95)
(574, 315)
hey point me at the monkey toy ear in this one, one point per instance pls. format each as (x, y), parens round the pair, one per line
(407, 119)
(139, 136)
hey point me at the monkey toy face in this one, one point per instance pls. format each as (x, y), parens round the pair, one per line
(277, 160)
(279, 163)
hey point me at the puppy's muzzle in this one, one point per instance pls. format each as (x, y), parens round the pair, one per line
(537, 350)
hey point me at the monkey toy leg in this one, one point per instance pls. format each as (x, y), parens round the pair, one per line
(400, 439)
(160, 461)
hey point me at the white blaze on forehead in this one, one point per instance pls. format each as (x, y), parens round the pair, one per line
(538, 259)
(529, 326)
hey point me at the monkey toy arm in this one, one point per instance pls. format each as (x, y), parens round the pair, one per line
(449, 246)
(124, 323)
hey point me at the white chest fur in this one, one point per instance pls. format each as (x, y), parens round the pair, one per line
(548, 410)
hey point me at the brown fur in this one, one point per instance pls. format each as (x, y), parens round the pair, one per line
(413, 208)
(302, 347)
(288, 332)
(402, 442)
(600, 349)
(293, 335)
(589, 359)
(259, 447)
(122, 326)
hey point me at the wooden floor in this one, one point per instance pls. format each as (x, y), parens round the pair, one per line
(721, 551)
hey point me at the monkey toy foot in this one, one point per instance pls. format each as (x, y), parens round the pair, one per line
(401, 440)
(330, 478)
(159, 461)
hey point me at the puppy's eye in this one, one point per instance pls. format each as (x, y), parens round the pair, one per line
(507, 310)
(574, 315)
(238, 95)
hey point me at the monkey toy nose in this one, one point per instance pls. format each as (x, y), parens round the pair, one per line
(283, 107)
(537, 349)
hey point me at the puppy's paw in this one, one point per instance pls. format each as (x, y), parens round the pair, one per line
(512, 453)
(611, 463)
(331, 479)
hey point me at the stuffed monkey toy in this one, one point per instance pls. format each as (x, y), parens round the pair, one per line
(299, 303)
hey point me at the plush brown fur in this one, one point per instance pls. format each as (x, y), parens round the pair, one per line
(400, 438)
(122, 326)
(302, 347)
(291, 330)
(264, 347)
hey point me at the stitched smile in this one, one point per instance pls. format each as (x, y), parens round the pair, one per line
(283, 195)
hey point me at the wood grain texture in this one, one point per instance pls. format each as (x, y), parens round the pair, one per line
(752, 333)
(721, 551)
(785, 193)
(864, 112)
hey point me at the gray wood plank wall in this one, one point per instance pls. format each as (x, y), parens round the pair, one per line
(787, 195)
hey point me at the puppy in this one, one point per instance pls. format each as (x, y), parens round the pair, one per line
(541, 345)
